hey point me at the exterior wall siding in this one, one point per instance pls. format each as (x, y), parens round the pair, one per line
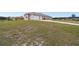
(26, 17)
(40, 17)
(34, 17)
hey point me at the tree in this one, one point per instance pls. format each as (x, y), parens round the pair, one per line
(73, 15)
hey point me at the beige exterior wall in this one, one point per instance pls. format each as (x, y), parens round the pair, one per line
(26, 17)
(40, 18)
(34, 17)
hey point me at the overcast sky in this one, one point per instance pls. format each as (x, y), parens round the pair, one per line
(53, 14)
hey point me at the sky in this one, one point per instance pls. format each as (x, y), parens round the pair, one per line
(62, 14)
(53, 14)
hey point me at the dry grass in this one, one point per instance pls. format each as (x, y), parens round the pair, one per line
(37, 33)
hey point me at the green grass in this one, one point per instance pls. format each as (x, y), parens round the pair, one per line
(37, 33)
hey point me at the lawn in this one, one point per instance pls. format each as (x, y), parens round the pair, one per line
(28, 33)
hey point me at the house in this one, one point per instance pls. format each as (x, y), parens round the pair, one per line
(36, 16)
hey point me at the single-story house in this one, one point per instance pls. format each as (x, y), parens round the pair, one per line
(36, 16)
